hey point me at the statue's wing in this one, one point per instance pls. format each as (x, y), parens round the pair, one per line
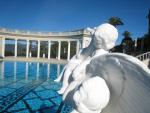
(128, 80)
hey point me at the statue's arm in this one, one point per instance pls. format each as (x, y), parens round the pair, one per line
(80, 69)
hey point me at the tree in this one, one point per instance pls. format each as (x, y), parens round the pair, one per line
(115, 21)
(126, 34)
(127, 43)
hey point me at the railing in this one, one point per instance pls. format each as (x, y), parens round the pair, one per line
(144, 56)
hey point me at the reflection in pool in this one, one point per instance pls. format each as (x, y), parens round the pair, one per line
(28, 87)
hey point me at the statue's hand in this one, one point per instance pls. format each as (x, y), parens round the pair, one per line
(76, 73)
(79, 71)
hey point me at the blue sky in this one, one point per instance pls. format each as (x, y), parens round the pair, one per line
(67, 15)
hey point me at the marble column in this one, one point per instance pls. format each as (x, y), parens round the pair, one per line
(59, 49)
(77, 46)
(3, 47)
(15, 47)
(38, 54)
(27, 49)
(49, 49)
(135, 44)
(68, 54)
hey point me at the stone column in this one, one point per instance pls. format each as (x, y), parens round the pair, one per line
(3, 47)
(38, 54)
(68, 55)
(83, 42)
(135, 44)
(49, 49)
(15, 47)
(77, 47)
(27, 49)
(59, 49)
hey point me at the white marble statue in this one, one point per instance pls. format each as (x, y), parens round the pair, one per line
(97, 46)
(103, 82)
(104, 38)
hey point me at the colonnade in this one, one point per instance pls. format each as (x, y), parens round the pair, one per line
(38, 47)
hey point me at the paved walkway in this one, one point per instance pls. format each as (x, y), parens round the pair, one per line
(45, 60)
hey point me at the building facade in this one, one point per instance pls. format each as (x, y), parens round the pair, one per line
(57, 45)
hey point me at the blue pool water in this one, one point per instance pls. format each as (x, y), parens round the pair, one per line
(27, 87)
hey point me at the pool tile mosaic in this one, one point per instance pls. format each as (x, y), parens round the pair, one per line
(18, 105)
(29, 93)
(6, 91)
(42, 101)
(47, 94)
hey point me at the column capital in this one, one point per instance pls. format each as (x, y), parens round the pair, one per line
(49, 41)
(38, 41)
(3, 37)
(78, 40)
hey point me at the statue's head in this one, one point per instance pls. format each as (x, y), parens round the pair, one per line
(104, 36)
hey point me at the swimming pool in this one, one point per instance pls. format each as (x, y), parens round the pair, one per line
(27, 87)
